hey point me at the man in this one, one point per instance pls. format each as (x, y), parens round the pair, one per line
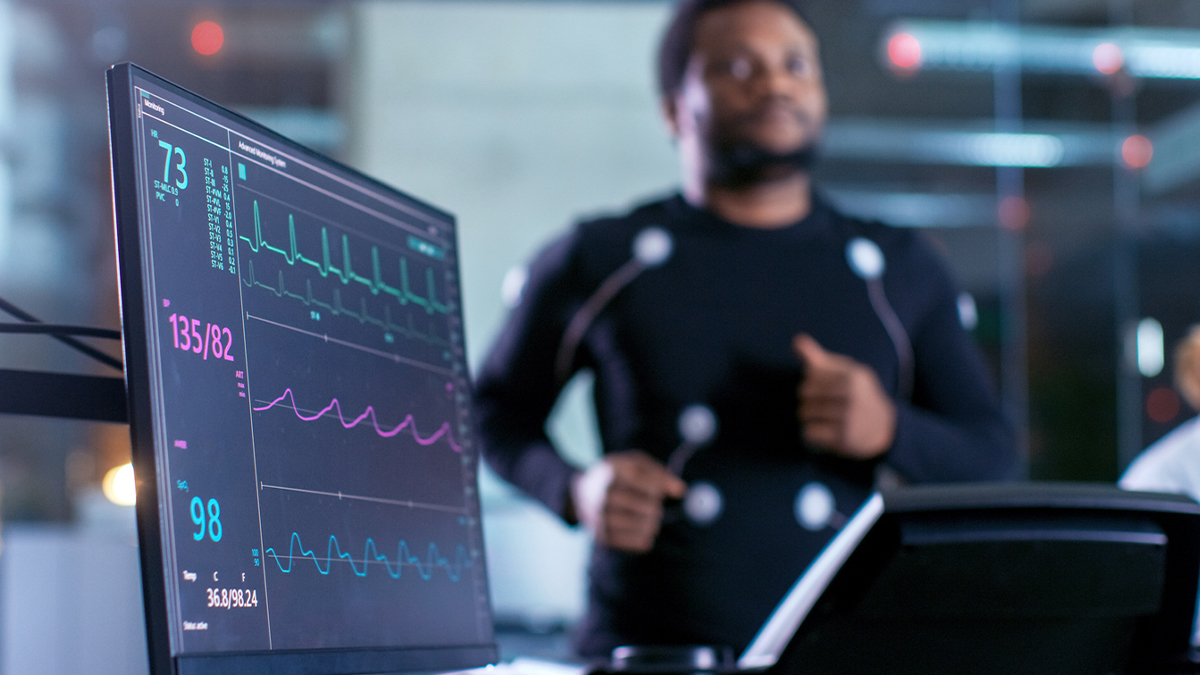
(756, 354)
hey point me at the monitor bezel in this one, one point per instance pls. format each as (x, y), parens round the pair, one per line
(1159, 642)
(138, 387)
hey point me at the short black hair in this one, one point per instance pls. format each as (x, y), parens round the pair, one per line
(677, 42)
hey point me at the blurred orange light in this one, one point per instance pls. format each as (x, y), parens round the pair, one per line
(1013, 213)
(1162, 405)
(1137, 150)
(905, 51)
(1107, 58)
(207, 38)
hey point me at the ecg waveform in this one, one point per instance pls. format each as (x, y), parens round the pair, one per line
(336, 308)
(408, 423)
(404, 294)
(425, 568)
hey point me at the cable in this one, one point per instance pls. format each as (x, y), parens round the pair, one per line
(71, 342)
(582, 320)
(895, 330)
(697, 426)
(60, 329)
(867, 262)
(651, 247)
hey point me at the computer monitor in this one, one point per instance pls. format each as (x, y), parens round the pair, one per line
(298, 402)
(1049, 579)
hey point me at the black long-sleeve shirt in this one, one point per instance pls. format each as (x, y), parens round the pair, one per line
(714, 325)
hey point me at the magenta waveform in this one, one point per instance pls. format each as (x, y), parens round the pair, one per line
(408, 423)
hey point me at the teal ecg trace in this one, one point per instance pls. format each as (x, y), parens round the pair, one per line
(338, 308)
(334, 304)
(425, 567)
(375, 283)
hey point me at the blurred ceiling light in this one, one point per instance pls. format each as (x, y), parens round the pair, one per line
(1107, 58)
(904, 51)
(1150, 352)
(911, 209)
(118, 485)
(1143, 52)
(1032, 150)
(1137, 151)
(1043, 145)
(207, 38)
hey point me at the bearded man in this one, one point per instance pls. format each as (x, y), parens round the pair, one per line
(758, 356)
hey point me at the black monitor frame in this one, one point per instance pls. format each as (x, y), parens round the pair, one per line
(833, 615)
(138, 382)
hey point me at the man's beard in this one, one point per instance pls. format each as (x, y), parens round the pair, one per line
(745, 163)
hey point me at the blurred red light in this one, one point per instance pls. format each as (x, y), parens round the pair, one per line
(1162, 405)
(1013, 213)
(905, 51)
(207, 38)
(1107, 58)
(1137, 150)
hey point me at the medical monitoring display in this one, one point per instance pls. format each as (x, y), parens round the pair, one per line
(299, 402)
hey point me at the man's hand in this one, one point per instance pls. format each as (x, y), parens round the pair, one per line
(620, 499)
(843, 408)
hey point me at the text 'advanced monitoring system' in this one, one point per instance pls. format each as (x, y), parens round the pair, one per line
(316, 477)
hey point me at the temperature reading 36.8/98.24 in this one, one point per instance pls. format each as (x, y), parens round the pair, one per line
(232, 598)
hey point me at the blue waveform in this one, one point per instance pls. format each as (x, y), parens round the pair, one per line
(425, 568)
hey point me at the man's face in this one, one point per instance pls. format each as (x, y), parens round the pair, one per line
(754, 79)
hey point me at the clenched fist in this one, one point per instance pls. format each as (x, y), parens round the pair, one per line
(842, 406)
(620, 499)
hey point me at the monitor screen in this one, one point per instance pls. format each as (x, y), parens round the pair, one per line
(298, 397)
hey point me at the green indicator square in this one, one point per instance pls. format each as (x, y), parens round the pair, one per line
(241, 171)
